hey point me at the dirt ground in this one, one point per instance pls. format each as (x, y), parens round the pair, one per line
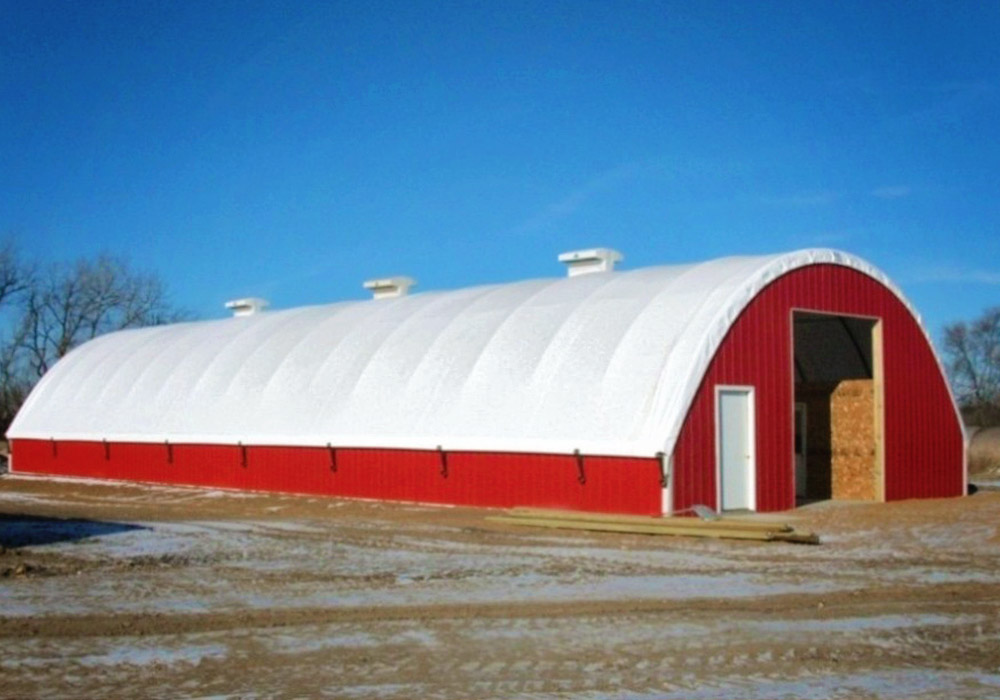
(115, 590)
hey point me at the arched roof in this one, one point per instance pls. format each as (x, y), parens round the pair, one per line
(606, 363)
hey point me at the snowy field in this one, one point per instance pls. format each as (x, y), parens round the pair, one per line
(110, 588)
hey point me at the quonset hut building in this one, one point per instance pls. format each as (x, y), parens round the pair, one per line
(745, 383)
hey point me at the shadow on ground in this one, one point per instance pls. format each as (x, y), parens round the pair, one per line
(18, 530)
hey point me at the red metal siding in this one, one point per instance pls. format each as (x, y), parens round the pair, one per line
(922, 437)
(609, 484)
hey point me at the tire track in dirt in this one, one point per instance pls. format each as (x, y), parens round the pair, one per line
(944, 598)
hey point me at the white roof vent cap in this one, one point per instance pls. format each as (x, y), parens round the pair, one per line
(390, 287)
(583, 262)
(248, 306)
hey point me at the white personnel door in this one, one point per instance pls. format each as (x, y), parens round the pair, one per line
(735, 449)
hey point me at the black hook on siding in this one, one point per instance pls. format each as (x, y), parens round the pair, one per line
(243, 455)
(170, 451)
(444, 462)
(664, 477)
(107, 450)
(55, 448)
(581, 475)
(333, 457)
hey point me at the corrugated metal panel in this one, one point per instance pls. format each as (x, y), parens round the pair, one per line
(593, 483)
(923, 439)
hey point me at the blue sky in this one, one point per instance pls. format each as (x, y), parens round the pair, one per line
(293, 149)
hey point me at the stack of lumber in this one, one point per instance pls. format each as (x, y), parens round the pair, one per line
(722, 528)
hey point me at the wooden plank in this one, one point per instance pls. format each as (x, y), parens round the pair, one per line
(879, 412)
(602, 522)
(686, 523)
(634, 528)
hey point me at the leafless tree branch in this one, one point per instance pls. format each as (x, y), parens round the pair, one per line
(62, 306)
(973, 354)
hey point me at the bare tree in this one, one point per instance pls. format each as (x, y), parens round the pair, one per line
(973, 353)
(15, 384)
(15, 274)
(72, 304)
(62, 306)
(15, 278)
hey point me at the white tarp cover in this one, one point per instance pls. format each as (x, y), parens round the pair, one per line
(606, 363)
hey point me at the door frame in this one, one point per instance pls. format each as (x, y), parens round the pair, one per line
(878, 385)
(750, 392)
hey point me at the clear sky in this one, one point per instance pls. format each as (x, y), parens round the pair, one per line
(291, 150)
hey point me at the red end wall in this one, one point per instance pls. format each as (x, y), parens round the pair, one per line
(610, 484)
(923, 439)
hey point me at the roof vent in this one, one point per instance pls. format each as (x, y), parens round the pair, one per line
(583, 262)
(390, 287)
(248, 306)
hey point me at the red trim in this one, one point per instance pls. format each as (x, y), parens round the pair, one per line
(611, 484)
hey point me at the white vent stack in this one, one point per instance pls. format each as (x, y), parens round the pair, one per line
(390, 287)
(584, 262)
(248, 306)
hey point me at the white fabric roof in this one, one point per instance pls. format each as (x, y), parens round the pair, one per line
(606, 363)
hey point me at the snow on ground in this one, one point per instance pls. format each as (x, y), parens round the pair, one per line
(425, 565)
(401, 571)
(748, 620)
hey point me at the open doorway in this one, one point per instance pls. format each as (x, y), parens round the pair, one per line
(838, 407)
